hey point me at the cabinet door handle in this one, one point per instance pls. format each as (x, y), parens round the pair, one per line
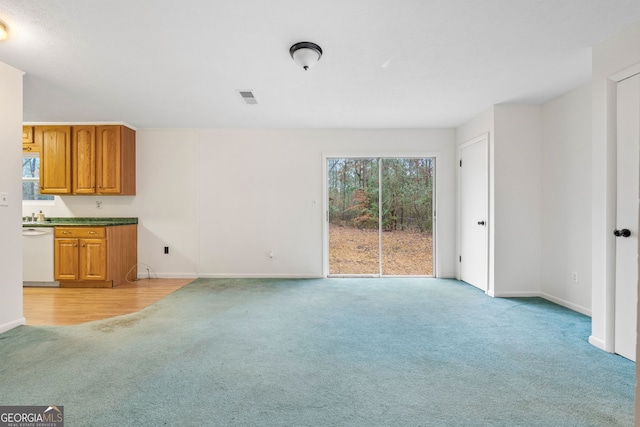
(75, 245)
(66, 232)
(93, 232)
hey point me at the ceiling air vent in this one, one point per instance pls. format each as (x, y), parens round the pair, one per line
(247, 97)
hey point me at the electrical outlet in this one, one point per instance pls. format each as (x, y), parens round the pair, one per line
(4, 199)
(166, 249)
(98, 204)
(574, 277)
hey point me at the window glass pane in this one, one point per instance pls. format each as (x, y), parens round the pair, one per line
(407, 216)
(30, 181)
(353, 216)
(31, 191)
(30, 167)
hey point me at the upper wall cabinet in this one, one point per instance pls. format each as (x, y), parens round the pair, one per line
(102, 160)
(27, 134)
(28, 139)
(115, 160)
(83, 152)
(55, 159)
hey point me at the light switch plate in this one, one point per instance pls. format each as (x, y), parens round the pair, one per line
(4, 199)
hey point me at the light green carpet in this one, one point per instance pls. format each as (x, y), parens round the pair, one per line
(330, 352)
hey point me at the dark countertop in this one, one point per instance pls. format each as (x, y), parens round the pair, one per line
(79, 222)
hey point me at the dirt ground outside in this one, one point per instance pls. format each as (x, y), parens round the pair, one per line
(355, 251)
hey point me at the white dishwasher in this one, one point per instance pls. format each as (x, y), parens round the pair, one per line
(37, 251)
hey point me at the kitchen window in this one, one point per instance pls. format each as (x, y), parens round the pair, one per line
(31, 178)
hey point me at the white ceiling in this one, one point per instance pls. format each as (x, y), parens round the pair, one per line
(386, 63)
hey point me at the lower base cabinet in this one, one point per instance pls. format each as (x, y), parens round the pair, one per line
(95, 257)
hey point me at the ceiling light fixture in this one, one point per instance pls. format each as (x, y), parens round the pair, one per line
(3, 31)
(305, 54)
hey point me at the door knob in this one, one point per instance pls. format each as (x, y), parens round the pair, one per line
(480, 222)
(622, 233)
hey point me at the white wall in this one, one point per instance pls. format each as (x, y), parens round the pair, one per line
(540, 197)
(515, 196)
(10, 230)
(479, 125)
(517, 199)
(611, 58)
(566, 199)
(262, 191)
(221, 199)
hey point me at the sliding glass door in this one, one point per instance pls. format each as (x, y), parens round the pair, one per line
(407, 217)
(380, 216)
(354, 246)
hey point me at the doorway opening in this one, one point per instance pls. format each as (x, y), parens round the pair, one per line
(381, 216)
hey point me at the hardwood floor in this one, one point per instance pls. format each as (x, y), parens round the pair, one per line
(71, 306)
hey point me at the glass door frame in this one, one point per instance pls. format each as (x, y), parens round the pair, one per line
(325, 205)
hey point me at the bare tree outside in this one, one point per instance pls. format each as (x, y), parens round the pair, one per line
(31, 179)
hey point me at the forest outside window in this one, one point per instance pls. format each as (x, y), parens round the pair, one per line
(381, 216)
(31, 178)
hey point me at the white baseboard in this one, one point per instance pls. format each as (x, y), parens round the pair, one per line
(258, 276)
(154, 275)
(555, 300)
(564, 303)
(13, 324)
(522, 294)
(143, 275)
(597, 342)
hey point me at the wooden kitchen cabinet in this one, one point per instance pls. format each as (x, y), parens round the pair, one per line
(55, 158)
(27, 135)
(80, 259)
(93, 259)
(95, 256)
(66, 259)
(104, 160)
(28, 140)
(83, 156)
(86, 159)
(115, 160)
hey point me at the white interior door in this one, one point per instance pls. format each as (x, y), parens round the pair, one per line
(628, 174)
(474, 194)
